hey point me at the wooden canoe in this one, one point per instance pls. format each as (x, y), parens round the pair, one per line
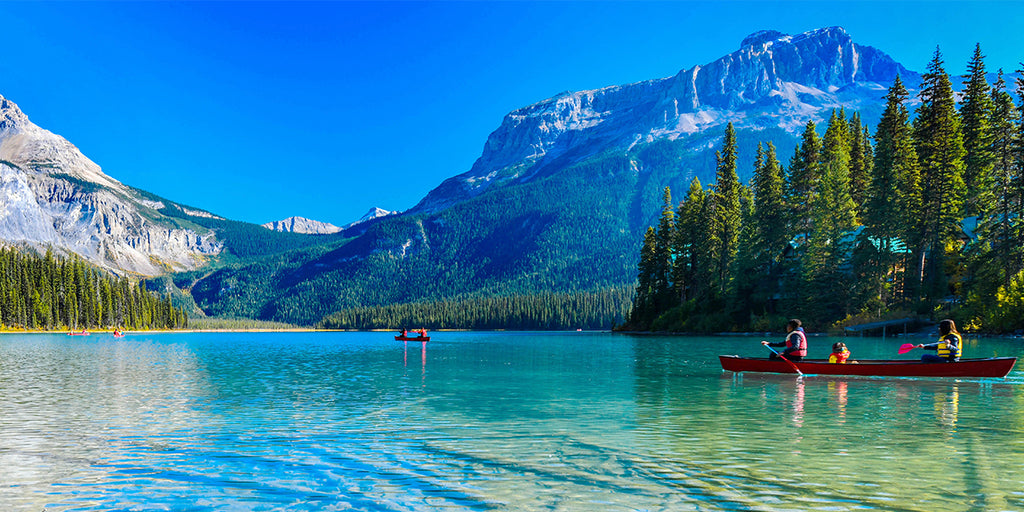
(410, 338)
(990, 367)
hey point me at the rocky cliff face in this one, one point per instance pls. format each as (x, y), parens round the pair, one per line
(52, 196)
(773, 80)
(302, 225)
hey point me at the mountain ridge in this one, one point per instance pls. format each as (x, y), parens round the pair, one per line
(754, 87)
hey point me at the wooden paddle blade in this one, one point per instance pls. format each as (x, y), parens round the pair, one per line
(906, 347)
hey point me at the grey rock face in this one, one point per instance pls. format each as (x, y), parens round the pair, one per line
(773, 80)
(52, 196)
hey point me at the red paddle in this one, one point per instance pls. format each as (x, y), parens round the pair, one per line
(795, 369)
(906, 347)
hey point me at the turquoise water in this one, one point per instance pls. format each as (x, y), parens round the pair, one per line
(490, 421)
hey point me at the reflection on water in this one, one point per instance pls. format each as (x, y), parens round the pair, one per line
(838, 391)
(507, 421)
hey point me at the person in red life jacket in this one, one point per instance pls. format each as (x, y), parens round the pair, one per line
(839, 353)
(795, 343)
(949, 347)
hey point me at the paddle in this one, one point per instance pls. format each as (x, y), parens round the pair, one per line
(906, 347)
(791, 364)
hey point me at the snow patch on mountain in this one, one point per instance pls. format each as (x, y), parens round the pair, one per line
(373, 213)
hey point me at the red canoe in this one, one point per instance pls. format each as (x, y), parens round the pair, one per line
(410, 338)
(991, 367)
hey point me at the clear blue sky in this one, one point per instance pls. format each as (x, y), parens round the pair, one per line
(260, 111)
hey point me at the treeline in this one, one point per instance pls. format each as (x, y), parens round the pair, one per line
(542, 311)
(237, 324)
(925, 217)
(61, 293)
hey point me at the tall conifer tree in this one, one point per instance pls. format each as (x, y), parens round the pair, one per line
(804, 176)
(940, 149)
(643, 311)
(690, 245)
(860, 162)
(894, 197)
(976, 112)
(770, 234)
(663, 296)
(994, 256)
(726, 211)
(835, 215)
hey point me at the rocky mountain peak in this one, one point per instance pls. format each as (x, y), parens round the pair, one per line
(53, 196)
(11, 117)
(302, 225)
(773, 81)
(760, 37)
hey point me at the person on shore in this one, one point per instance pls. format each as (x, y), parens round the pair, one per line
(948, 348)
(839, 353)
(795, 342)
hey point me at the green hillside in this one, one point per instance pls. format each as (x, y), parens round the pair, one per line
(574, 227)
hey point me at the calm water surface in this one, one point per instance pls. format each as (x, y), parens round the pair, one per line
(490, 421)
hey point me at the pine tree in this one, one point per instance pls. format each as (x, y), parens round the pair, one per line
(994, 258)
(1017, 181)
(940, 149)
(976, 112)
(771, 235)
(894, 194)
(860, 162)
(725, 199)
(804, 176)
(691, 245)
(663, 296)
(834, 215)
(643, 303)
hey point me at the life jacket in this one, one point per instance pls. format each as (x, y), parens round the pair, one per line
(800, 347)
(839, 357)
(946, 351)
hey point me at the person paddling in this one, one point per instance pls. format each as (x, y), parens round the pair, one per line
(795, 342)
(948, 348)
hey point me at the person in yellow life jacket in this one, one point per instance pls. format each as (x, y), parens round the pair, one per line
(949, 347)
(795, 343)
(839, 353)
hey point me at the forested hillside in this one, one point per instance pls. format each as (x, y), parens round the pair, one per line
(550, 311)
(923, 217)
(62, 293)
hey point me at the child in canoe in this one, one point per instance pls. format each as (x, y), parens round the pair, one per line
(839, 353)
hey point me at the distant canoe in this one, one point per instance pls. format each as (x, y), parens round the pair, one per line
(990, 367)
(78, 333)
(409, 338)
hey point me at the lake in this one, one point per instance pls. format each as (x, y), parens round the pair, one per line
(491, 421)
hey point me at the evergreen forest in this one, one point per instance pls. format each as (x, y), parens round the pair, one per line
(923, 218)
(544, 311)
(53, 293)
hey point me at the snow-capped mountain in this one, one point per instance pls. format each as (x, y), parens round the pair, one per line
(773, 81)
(315, 227)
(302, 225)
(52, 196)
(374, 213)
